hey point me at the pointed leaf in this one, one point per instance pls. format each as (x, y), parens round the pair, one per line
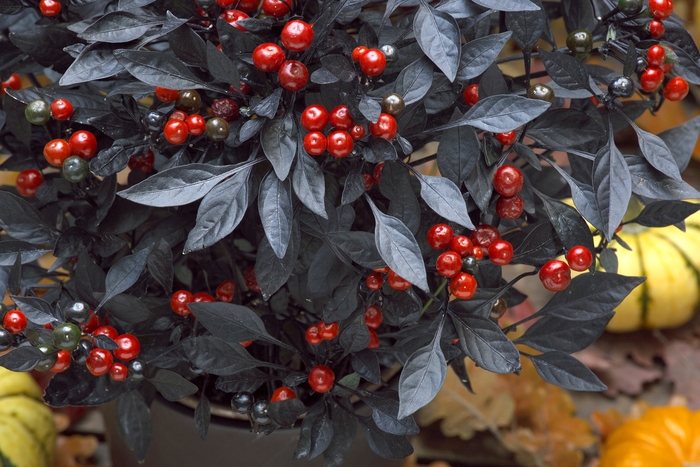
(272, 272)
(554, 332)
(123, 274)
(483, 341)
(443, 197)
(414, 81)
(309, 184)
(565, 70)
(665, 213)
(477, 55)
(438, 36)
(657, 153)
(22, 221)
(565, 371)
(135, 422)
(279, 144)
(458, 152)
(681, 141)
(275, 206)
(613, 187)
(36, 310)
(421, 378)
(172, 386)
(570, 226)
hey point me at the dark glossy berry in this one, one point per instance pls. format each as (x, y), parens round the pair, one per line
(555, 275)
(373, 317)
(470, 264)
(241, 402)
(76, 312)
(507, 138)
(232, 17)
(373, 339)
(498, 309)
(656, 28)
(154, 120)
(282, 394)
(656, 55)
(37, 112)
(471, 94)
(14, 321)
(217, 129)
(651, 78)
(501, 252)
(50, 8)
(188, 101)
(315, 143)
(166, 95)
(297, 35)
(340, 118)
(83, 143)
(541, 92)
(439, 236)
(374, 281)
(579, 258)
(484, 235)
(293, 75)
(390, 52)
(226, 290)
(137, 370)
(661, 9)
(508, 180)
(373, 62)
(258, 411)
(385, 127)
(62, 362)
(99, 362)
(61, 109)
(321, 378)
(268, 57)
(509, 207)
(176, 132)
(621, 86)
(393, 104)
(66, 336)
(630, 7)
(463, 286)
(81, 352)
(314, 118)
(129, 347)
(397, 282)
(328, 331)
(6, 339)
(75, 169)
(358, 52)
(339, 144)
(118, 372)
(676, 89)
(449, 264)
(580, 42)
(196, 124)
(28, 181)
(50, 357)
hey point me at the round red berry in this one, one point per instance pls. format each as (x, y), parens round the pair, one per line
(99, 362)
(507, 138)
(656, 28)
(471, 94)
(373, 339)
(651, 78)
(368, 181)
(179, 301)
(397, 282)
(250, 281)
(656, 55)
(176, 132)
(315, 143)
(268, 57)
(382, 270)
(144, 162)
(340, 144)
(314, 117)
(555, 275)
(166, 95)
(203, 297)
(312, 336)
(232, 17)
(14, 321)
(358, 132)
(340, 118)
(374, 281)
(328, 331)
(321, 378)
(484, 235)
(463, 286)
(449, 264)
(385, 127)
(509, 207)
(373, 317)
(83, 143)
(14, 82)
(439, 236)
(28, 181)
(50, 7)
(297, 35)
(501, 252)
(92, 325)
(293, 75)
(129, 347)
(461, 245)
(118, 372)
(61, 109)
(276, 8)
(358, 52)
(579, 258)
(478, 253)
(56, 151)
(508, 180)
(196, 124)
(676, 89)
(63, 359)
(108, 331)
(225, 108)
(226, 290)
(282, 394)
(178, 115)
(661, 9)
(373, 62)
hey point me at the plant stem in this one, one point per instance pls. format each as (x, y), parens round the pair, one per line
(430, 301)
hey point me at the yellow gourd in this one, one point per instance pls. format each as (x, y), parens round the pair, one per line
(662, 437)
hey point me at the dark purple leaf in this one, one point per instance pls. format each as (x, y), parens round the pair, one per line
(458, 152)
(309, 183)
(414, 81)
(123, 274)
(219, 357)
(115, 158)
(527, 26)
(135, 422)
(565, 70)
(279, 143)
(564, 370)
(421, 378)
(202, 416)
(36, 310)
(385, 444)
(22, 358)
(650, 183)
(272, 272)
(665, 213)
(276, 211)
(507, 5)
(443, 197)
(22, 221)
(189, 47)
(359, 246)
(120, 27)
(476, 56)
(172, 386)
(554, 332)
(571, 228)
(96, 61)
(483, 341)
(612, 185)
(29, 252)
(438, 36)
(681, 141)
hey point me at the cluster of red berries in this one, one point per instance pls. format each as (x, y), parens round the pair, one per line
(372, 61)
(101, 361)
(14, 82)
(508, 181)
(81, 143)
(186, 121)
(317, 333)
(471, 97)
(657, 66)
(269, 57)
(660, 10)
(375, 281)
(556, 275)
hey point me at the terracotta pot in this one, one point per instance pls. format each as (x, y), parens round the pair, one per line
(176, 443)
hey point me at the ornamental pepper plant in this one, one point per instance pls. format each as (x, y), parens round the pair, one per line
(230, 201)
